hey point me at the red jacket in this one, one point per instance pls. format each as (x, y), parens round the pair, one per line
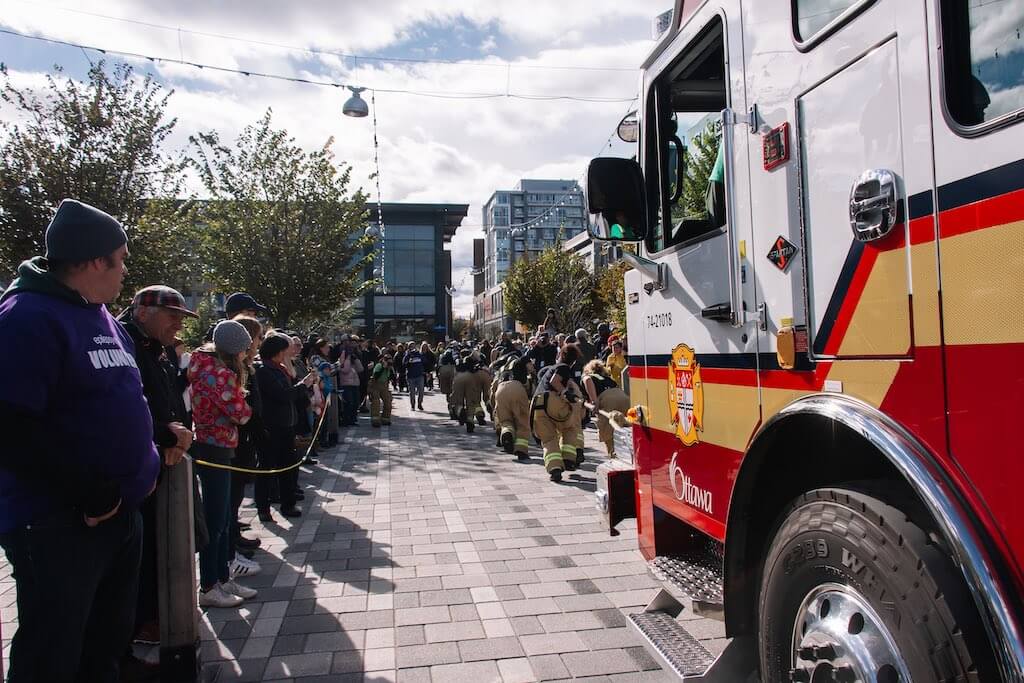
(218, 402)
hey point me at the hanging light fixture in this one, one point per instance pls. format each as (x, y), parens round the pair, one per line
(355, 106)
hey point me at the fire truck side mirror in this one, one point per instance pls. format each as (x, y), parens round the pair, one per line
(615, 200)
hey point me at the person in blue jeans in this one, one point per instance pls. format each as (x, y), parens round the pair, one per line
(217, 376)
(415, 376)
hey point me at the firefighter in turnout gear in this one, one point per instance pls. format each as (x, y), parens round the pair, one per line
(557, 414)
(483, 379)
(446, 374)
(512, 409)
(603, 396)
(570, 355)
(380, 392)
(500, 368)
(466, 392)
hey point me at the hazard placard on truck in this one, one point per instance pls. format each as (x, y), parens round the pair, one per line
(826, 336)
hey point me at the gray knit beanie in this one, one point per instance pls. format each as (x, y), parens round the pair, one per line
(231, 337)
(79, 232)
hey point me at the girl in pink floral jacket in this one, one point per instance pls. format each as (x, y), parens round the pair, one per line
(218, 398)
(217, 377)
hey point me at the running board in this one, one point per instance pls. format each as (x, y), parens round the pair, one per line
(679, 652)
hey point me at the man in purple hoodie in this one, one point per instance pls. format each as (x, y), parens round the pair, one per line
(78, 456)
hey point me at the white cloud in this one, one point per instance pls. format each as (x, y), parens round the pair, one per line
(431, 150)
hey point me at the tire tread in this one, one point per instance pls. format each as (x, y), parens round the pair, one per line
(907, 555)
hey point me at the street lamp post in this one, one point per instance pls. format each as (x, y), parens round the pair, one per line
(450, 291)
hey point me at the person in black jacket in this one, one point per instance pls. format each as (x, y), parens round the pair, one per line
(429, 362)
(152, 321)
(250, 439)
(544, 354)
(279, 418)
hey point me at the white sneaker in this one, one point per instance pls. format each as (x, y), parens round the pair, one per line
(243, 567)
(233, 588)
(216, 597)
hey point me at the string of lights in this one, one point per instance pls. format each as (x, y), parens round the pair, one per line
(521, 228)
(332, 53)
(380, 202)
(453, 95)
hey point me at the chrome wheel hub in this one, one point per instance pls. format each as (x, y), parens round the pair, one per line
(838, 637)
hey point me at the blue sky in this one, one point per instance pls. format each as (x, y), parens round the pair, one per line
(431, 149)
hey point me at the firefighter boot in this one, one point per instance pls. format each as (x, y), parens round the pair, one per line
(469, 426)
(480, 419)
(461, 417)
(508, 440)
(556, 475)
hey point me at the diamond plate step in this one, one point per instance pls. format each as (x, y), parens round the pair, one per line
(697, 575)
(666, 638)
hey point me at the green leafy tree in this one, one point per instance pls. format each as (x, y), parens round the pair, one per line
(282, 223)
(612, 293)
(462, 328)
(701, 152)
(555, 279)
(193, 330)
(101, 142)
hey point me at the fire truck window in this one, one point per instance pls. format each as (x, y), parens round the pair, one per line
(691, 96)
(813, 15)
(983, 54)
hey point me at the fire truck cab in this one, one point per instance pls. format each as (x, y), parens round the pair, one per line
(825, 219)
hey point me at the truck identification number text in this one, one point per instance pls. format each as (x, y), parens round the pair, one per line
(659, 320)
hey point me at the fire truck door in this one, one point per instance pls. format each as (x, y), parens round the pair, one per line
(700, 329)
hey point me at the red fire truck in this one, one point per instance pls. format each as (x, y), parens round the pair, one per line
(826, 335)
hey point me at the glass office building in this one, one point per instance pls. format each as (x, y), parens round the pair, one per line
(414, 304)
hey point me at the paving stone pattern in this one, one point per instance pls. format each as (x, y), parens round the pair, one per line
(426, 554)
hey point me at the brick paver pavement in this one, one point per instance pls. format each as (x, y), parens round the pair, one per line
(427, 554)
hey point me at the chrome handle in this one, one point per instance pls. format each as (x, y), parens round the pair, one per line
(737, 317)
(873, 205)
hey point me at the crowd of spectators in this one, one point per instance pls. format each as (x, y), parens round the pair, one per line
(97, 409)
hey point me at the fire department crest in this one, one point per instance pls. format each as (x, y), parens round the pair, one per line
(685, 394)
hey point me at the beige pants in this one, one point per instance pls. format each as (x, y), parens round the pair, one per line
(609, 400)
(380, 403)
(558, 428)
(512, 414)
(445, 375)
(483, 379)
(466, 394)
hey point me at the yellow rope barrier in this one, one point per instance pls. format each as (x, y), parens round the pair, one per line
(280, 470)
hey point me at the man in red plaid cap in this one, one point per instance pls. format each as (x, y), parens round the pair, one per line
(153, 321)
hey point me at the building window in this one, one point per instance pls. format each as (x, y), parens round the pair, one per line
(501, 198)
(385, 306)
(409, 258)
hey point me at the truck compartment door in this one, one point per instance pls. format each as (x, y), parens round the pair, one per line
(854, 204)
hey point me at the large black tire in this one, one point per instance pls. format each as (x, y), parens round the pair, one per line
(850, 538)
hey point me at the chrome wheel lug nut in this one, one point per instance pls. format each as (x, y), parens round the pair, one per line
(824, 651)
(844, 674)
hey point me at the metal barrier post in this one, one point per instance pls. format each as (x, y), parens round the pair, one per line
(176, 576)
